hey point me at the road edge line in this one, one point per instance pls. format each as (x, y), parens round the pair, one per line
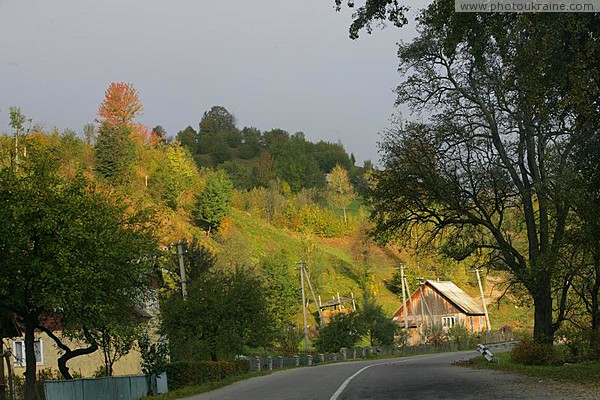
(347, 381)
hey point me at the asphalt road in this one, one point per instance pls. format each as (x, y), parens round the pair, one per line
(420, 377)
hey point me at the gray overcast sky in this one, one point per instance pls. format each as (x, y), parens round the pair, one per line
(273, 63)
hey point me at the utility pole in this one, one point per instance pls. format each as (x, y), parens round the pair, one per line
(303, 306)
(487, 318)
(305, 270)
(421, 301)
(404, 297)
(182, 270)
(412, 309)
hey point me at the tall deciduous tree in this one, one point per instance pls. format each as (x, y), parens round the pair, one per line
(224, 311)
(188, 139)
(509, 95)
(340, 191)
(114, 153)
(66, 249)
(120, 106)
(212, 204)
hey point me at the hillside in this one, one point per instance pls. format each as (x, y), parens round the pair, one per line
(335, 266)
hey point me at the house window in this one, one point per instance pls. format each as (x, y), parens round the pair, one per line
(472, 322)
(448, 322)
(480, 321)
(19, 352)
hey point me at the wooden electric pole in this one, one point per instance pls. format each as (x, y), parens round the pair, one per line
(182, 270)
(487, 318)
(306, 347)
(318, 305)
(404, 297)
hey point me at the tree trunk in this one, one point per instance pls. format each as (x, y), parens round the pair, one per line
(30, 368)
(2, 375)
(69, 354)
(595, 312)
(543, 329)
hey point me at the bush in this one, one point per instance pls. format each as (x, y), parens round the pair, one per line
(529, 352)
(461, 335)
(183, 373)
(343, 330)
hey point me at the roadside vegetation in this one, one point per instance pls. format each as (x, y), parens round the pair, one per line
(583, 373)
(503, 177)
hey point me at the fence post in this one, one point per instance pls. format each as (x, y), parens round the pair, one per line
(309, 359)
(297, 361)
(257, 361)
(270, 363)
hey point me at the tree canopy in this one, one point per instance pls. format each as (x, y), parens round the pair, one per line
(493, 164)
(67, 250)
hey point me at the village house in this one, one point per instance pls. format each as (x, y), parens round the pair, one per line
(47, 352)
(440, 303)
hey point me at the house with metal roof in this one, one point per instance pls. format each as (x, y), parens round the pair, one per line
(439, 303)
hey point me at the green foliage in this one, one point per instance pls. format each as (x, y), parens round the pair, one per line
(86, 255)
(116, 337)
(240, 176)
(282, 294)
(295, 165)
(212, 204)
(154, 355)
(224, 312)
(17, 119)
(343, 330)
(328, 155)
(513, 192)
(217, 120)
(434, 334)
(183, 373)
(340, 191)
(529, 352)
(175, 175)
(461, 335)
(114, 153)
(378, 327)
(188, 139)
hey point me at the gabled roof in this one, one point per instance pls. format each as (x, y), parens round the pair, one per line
(456, 296)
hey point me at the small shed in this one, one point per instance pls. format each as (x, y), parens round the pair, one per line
(439, 303)
(337, 305)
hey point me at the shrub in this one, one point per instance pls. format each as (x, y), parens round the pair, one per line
(183, 373)
(434, 334)
(460, 335)
(343, 330)
(530, 352)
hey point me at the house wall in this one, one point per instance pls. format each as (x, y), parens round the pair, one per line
(433, 310)
(85, 365)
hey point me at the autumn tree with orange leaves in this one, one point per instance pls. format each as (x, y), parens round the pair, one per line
(115, 149)
(120, 106)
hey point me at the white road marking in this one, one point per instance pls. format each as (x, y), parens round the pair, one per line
(347, 381)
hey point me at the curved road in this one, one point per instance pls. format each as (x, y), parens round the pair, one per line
(420, 377)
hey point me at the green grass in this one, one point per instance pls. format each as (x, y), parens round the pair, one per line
(206, 387)
(584, 373)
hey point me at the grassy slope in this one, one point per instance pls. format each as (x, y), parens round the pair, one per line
(333, 266)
